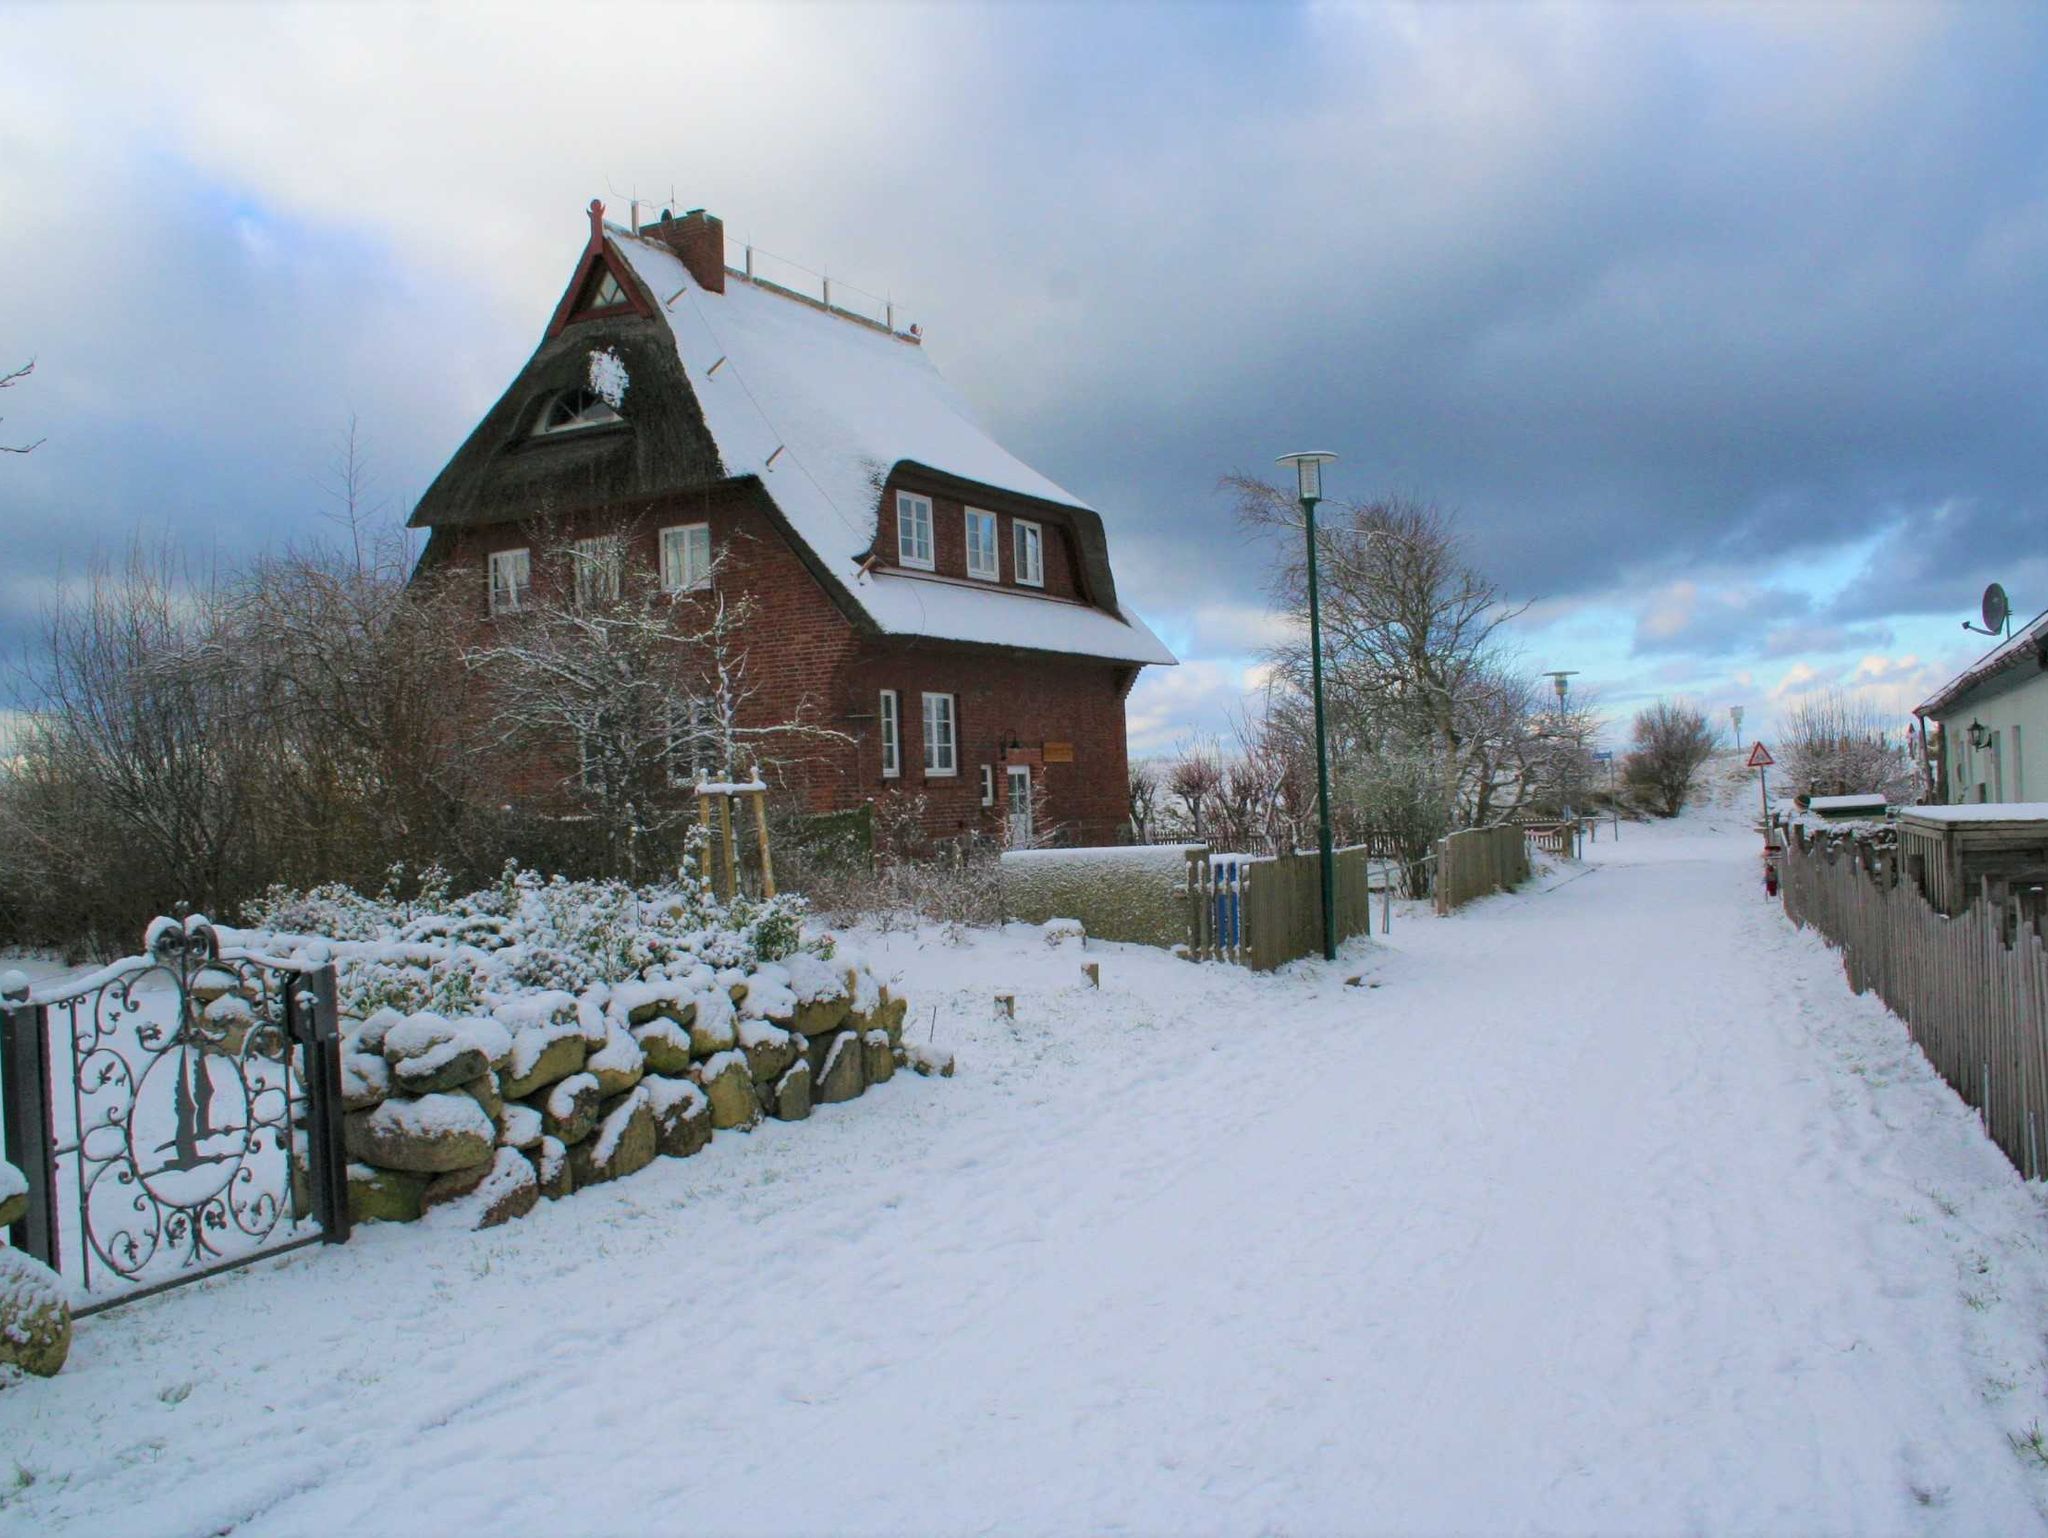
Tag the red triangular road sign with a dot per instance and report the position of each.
(1760, 757)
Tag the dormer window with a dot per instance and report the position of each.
(574, 410)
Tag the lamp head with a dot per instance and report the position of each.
(1977, 734)
(1308, 471)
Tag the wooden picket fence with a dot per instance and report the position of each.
(1478, 862)
(1972, 989)
(1263, 911)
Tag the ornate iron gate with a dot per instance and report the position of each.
(177, 1114)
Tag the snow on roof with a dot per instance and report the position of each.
(2002, 656)
(1846, 803)
(822, 409)
(1980, 811)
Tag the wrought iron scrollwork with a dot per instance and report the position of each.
(189, 1098)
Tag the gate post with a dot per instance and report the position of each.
(314, 1000)
(25, 1103)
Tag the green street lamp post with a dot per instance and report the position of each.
(1308, 470)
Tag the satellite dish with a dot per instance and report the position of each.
(1997, 613)
(1996, 610)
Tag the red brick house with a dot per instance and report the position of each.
(946, 607)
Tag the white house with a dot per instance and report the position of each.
(1991, 724)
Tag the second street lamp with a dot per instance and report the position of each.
(1308, 470)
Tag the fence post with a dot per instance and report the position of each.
(313, 1003)
(25, 1103)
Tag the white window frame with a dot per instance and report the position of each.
(892, 734)
(1030, 573)
(988, 784)
(598, 557)
(993, 546)
(914, 514)
(1021, 816)
(941, 750)
(686, 558)
(509, 596)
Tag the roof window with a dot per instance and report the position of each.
(573, 410)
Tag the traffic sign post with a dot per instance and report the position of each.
(1760, 760)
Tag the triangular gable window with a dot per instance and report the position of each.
(603, 292)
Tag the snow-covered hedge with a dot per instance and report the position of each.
(1136, 893)
(547, 1034)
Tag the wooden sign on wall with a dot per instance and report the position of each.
(1059, 752)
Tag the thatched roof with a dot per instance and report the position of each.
(752, 383)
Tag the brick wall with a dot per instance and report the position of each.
(803, 652)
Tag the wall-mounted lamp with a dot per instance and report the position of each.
(1977, 734)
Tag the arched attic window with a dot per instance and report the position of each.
(574, 410)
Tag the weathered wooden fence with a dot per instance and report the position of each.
(1478, 862)
(1264, 911)
(1973, 989)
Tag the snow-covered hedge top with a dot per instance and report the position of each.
(437, 974)
(12, 1183)
(1169, 858)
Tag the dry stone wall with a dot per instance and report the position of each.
(484, 1116)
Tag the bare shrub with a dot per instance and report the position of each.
(1835, 744)
(908, 878)
(1672, 741)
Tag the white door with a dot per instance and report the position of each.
(1020, 805)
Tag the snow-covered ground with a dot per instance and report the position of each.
(1600, 1207)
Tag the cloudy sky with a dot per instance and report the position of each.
(1719, 327)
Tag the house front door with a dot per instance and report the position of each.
(1020, 805)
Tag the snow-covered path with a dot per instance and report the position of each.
(1604, 1208)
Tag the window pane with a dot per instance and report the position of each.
(938, 734)
(509, 580)
(981, 545)
(913, 530)
(1030, 564)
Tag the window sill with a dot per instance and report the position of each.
(942, 774)
(909, 565)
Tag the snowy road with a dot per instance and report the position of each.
(1607, 1209)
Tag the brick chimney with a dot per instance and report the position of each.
(698, 240)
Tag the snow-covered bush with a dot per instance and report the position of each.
(528, 934)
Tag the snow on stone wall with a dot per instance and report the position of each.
(1135, 893)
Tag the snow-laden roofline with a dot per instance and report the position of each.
(2027, 642)
(824, 409)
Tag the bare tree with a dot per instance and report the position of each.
(641, 694)
(1144, 794)
(1672, 741)
(7, 382)
(1415, 662)
(131, 772)
(1194, 780)
(1835, 744)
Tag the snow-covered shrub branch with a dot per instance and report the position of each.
(638, 692)
(1835, 744)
